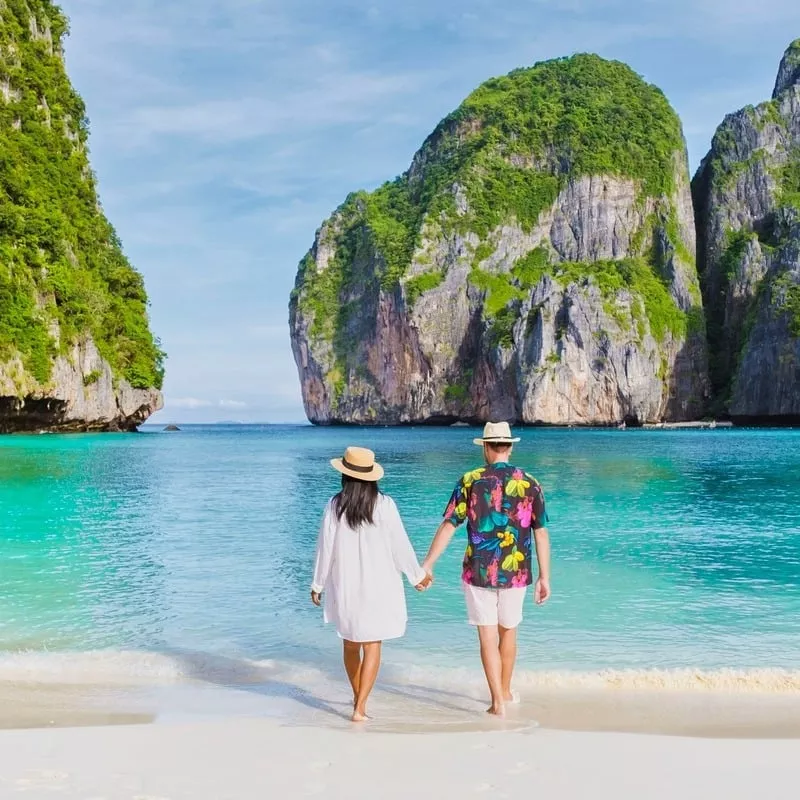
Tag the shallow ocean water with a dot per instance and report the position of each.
(169, 553)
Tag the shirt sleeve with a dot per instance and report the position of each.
(324, 557)
(456, 511)
(405, 559)
(539, 516)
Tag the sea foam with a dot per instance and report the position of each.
(111, 667)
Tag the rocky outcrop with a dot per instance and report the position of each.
(747, 197)
(76, 350)
(83, 395)
(535, 264)
(788, 71)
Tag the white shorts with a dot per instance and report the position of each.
(495, 606)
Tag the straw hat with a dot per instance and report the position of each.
(358, 462)
(496, 433)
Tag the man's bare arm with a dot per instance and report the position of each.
(542, 589)
(439, 544)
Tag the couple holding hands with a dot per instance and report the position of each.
(363, 550)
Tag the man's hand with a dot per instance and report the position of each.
(425, 584)
(316, 598)
(541, 592)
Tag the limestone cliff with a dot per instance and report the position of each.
(535, 263)
(76, 351)
(747, 197)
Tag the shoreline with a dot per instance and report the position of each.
(154, 427)
(694, 705)
(760, 423)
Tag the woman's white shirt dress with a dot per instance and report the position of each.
(359, 573)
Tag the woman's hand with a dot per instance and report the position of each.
(316, 598)
(425, 584)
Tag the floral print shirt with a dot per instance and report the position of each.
(502, 506)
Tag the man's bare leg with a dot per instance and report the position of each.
(352, 666)
(508, 658)
(369, 674)
(492, 666)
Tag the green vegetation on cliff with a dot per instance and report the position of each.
(508, 151)
(789, 180)
(792, 54)
(791, 303)
(60, 259)
(635, 275)
(422, 283)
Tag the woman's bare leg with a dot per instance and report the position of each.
(352, 665)
(369, 673)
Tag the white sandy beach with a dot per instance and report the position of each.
(204, 740)
(259, 758)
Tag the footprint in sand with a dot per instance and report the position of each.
(41, 779)
(520, 768)
(149, 797)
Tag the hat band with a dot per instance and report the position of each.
(346, 463)
(496, 438)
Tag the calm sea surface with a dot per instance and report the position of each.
(671, 549)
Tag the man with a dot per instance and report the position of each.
(504, 510)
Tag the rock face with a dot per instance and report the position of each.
(536, 263)
(76, 351)
(84, 396)
(747, 197)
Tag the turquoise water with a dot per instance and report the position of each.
(670, 549)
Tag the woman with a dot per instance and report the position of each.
(362, 550)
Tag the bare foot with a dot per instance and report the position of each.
(496, 710)
(359, 716)
(511, 697)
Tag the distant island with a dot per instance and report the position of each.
(546, 260)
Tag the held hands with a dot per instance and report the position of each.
(426, 583)
(541, 591)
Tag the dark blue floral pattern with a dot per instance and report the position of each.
(502, 506)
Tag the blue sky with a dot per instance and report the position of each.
(225, 131)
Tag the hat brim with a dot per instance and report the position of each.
(375, 474)
(481, 442)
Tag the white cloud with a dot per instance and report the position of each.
(193, 403)
(336, 98)
(186, 402)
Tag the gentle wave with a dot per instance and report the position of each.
(676, 680)
(126, 667)
(723, 680)
(135, 667)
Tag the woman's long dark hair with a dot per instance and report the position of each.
(356, 501)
